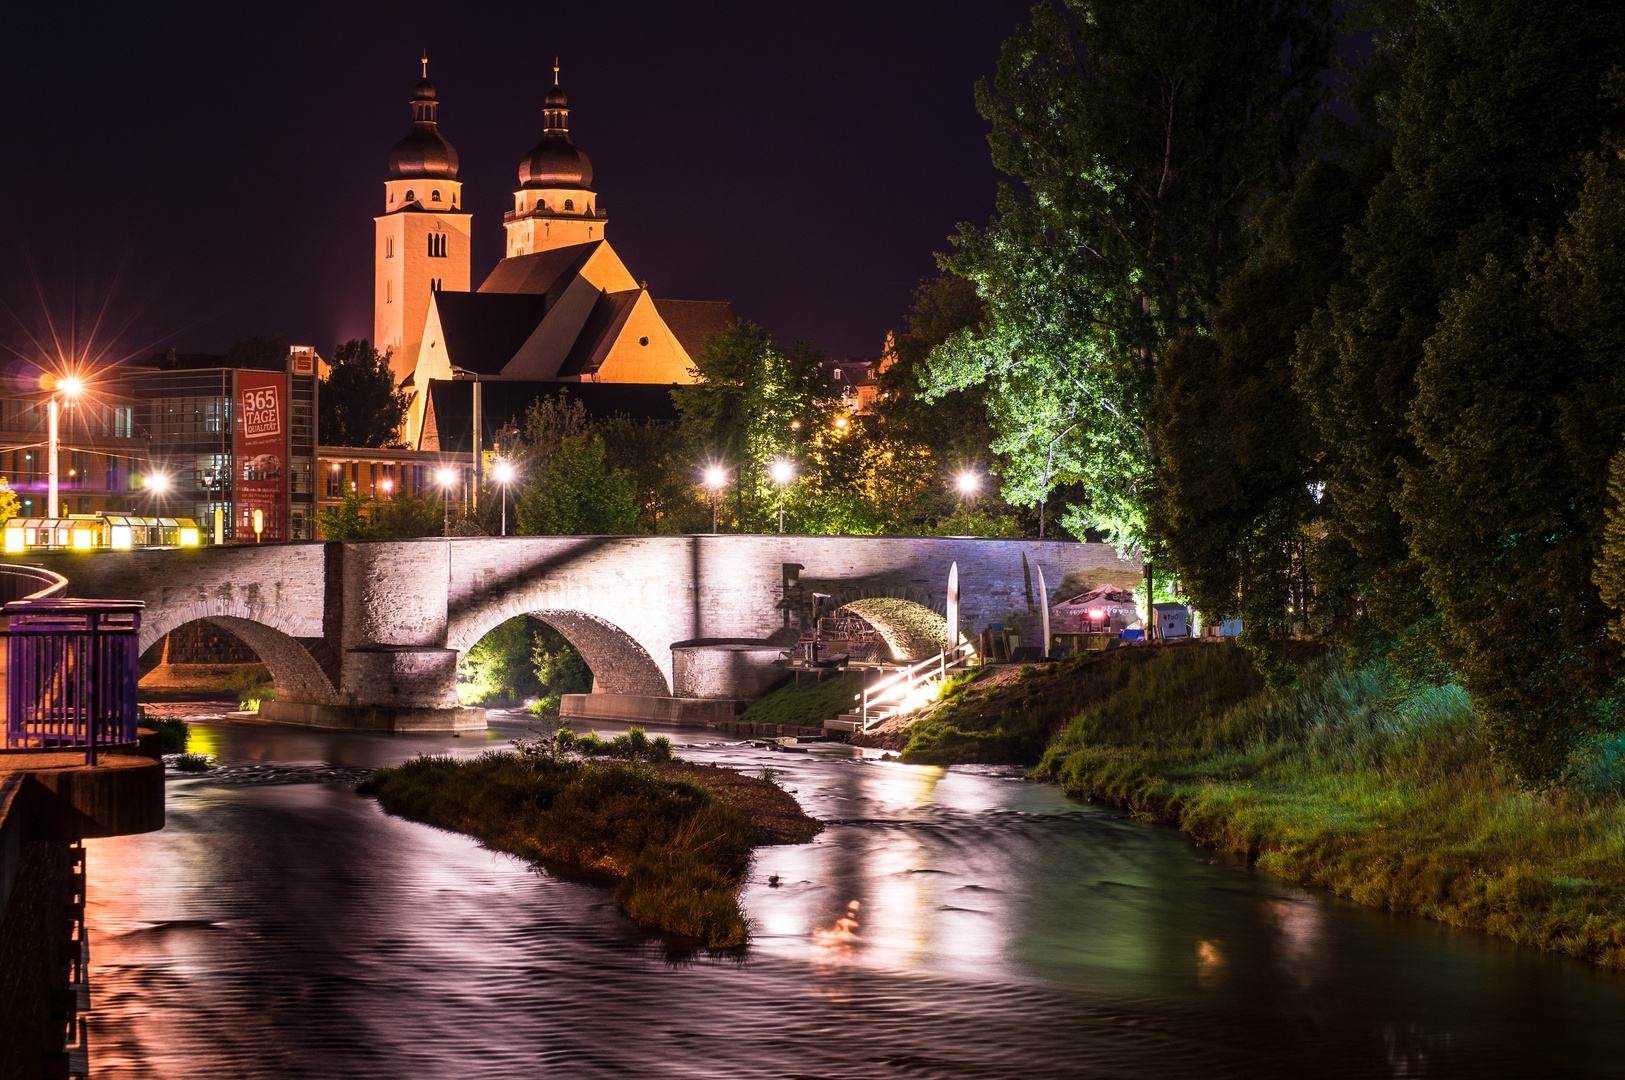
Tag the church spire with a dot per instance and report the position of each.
(556, 108)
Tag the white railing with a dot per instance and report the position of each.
(883, 700)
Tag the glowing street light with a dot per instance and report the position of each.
(503, 474)
(715, 477)
(782, 472)
(69, 387)
(157, 482)
(446, 478)
(968, 483)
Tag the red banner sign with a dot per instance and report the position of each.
(262, 454)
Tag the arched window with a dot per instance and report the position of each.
(392, 198)
(435, 196)
(389, 247)
(569, 204)
(409, 196)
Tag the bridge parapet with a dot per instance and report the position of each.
(367, 633)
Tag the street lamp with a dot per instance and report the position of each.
(782, 472)
(502, 473)
(715, 477)
(157, 483)
(446, 478)
(70, 387)
(968, 484)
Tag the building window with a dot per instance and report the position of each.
(389, 247)
(355, 475)
(434, 196)
(410, 196)
(335, 483)
(389, 292)
(569, 204)
(437, 245)
(434, 284)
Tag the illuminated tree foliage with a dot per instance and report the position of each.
(741, 410)
(1141, 133)
(577, 493)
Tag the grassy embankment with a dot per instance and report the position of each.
(1354, 782)
(807, 703)
(677, 837)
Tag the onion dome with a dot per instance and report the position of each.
(423, 152)
(555, 162)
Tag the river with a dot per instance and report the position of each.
(953, 923)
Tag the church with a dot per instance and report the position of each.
(560, 308)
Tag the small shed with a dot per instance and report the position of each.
(1104, 609)
(1173, 620)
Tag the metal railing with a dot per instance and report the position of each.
(884, 698)
(71, 674)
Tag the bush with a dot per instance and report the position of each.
(192, 762)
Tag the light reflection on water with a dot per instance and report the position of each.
(949, 923)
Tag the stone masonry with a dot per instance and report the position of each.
(368, 633)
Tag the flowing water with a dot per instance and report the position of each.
(958, 923)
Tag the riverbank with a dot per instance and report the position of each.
(1354, 782)
(676, 837)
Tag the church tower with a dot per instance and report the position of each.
(555, 205)
(422, 238)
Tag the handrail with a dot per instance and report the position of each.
(912, 678)
(71, 674)
(15, 577)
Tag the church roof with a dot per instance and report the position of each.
(547, 273)
(692, 321)
(483, 330)
(599, 334)
(555, 162)
(449, 422)
(423, 152)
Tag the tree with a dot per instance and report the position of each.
(1454, 521)
(360, 405)
(577, 494)
(10, 505)
(1235, 493)
(747, 395)
(1141, 133)
(499, 668)
(659, 460)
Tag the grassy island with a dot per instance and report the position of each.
(676, 837)
(1354, 781)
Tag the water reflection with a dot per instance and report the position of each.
(949, 923)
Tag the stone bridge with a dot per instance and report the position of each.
(367, 634)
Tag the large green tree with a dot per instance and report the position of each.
(577, 493)
(754, 402)
(360, 405)
(1236, 492)
(1441, 530)
(1140, 133)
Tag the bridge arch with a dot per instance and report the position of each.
(294, 671)
(619, 662)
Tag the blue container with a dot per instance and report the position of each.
(1131, 635)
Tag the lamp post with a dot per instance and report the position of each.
(64, 387)
(715, 477)
(783, 472)
(446, 477)
(502, 473)
(968, 484)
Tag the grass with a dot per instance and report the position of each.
(678, 851)
(192, 762)
(1013, 724)
(172, 731)
(807, 703)
(1378, 790)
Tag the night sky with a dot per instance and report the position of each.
(211, 173)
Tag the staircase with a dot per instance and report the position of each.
(895, 693)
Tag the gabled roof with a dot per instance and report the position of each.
(546, 273)
(483, 330)
(599, 334)
(692, 321)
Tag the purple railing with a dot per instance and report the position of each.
(71, 674)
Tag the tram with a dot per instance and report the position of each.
(97, 532)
